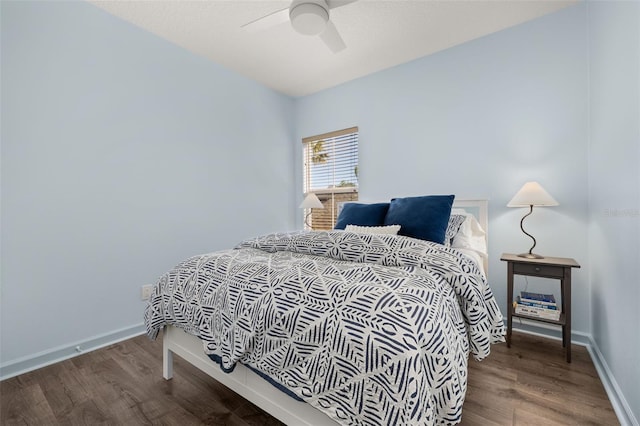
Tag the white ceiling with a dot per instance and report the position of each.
(378, 33)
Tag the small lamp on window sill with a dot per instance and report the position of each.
(531, 194)
(311, 201)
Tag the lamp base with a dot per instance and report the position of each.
(531, 256)
(306, 221)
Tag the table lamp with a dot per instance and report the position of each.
(311, 201)
(531, 194)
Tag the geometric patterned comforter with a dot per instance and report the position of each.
(370, 329)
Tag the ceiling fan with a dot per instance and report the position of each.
(308, 17)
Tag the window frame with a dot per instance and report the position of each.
(333, 196)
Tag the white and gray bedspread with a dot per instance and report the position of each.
(370, 329)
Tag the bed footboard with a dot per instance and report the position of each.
(242, 380)
(167, 358)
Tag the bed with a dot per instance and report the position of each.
(349, 326)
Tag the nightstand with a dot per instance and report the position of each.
(548, 267)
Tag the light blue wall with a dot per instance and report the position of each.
(121, 155)
(614, 196)
(479, 120)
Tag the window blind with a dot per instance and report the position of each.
(331, 172)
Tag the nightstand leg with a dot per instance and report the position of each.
(566, 295)
(509, 301)
(563, 306)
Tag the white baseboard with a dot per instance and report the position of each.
(48, 357)
(618, 401)
(550, 331)
(620, 404)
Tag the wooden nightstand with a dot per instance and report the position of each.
(548, 267)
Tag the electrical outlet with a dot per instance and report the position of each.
(145, 293)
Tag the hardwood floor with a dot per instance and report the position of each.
(532, 384)
(528, 384)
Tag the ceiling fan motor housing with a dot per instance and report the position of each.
(309, 18)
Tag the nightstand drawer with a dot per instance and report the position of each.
(538, 270)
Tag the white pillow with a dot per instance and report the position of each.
(471, 236)
(453, 227)
(389, 229)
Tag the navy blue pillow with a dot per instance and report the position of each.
(362, 215)
(425, 217)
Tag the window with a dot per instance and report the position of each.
(331, 172)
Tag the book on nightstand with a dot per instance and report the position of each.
(546, 312)
(536, 304)
(538, 297)
(538, 312)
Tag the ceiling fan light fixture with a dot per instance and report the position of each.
(309, 18)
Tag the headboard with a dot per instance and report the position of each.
(479, 208)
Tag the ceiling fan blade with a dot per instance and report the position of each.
(339, 3)
(271, 20)
(332, 39)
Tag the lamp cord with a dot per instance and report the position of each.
(526, 233)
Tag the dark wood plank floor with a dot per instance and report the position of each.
(529, 384)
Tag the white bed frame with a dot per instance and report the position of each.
(250, 385)
(244, 381)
